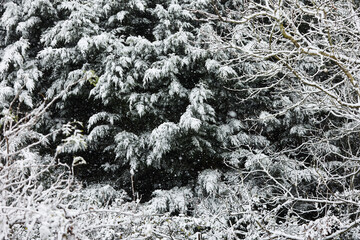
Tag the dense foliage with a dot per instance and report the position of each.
(179, 119)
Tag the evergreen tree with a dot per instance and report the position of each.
(241, 114)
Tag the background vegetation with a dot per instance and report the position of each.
(179, 119)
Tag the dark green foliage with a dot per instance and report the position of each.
(156, 96)
(185, 96)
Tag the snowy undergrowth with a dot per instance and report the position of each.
(44, 201)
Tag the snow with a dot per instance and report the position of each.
(232, 114)
(193, 115)
(45, 232)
